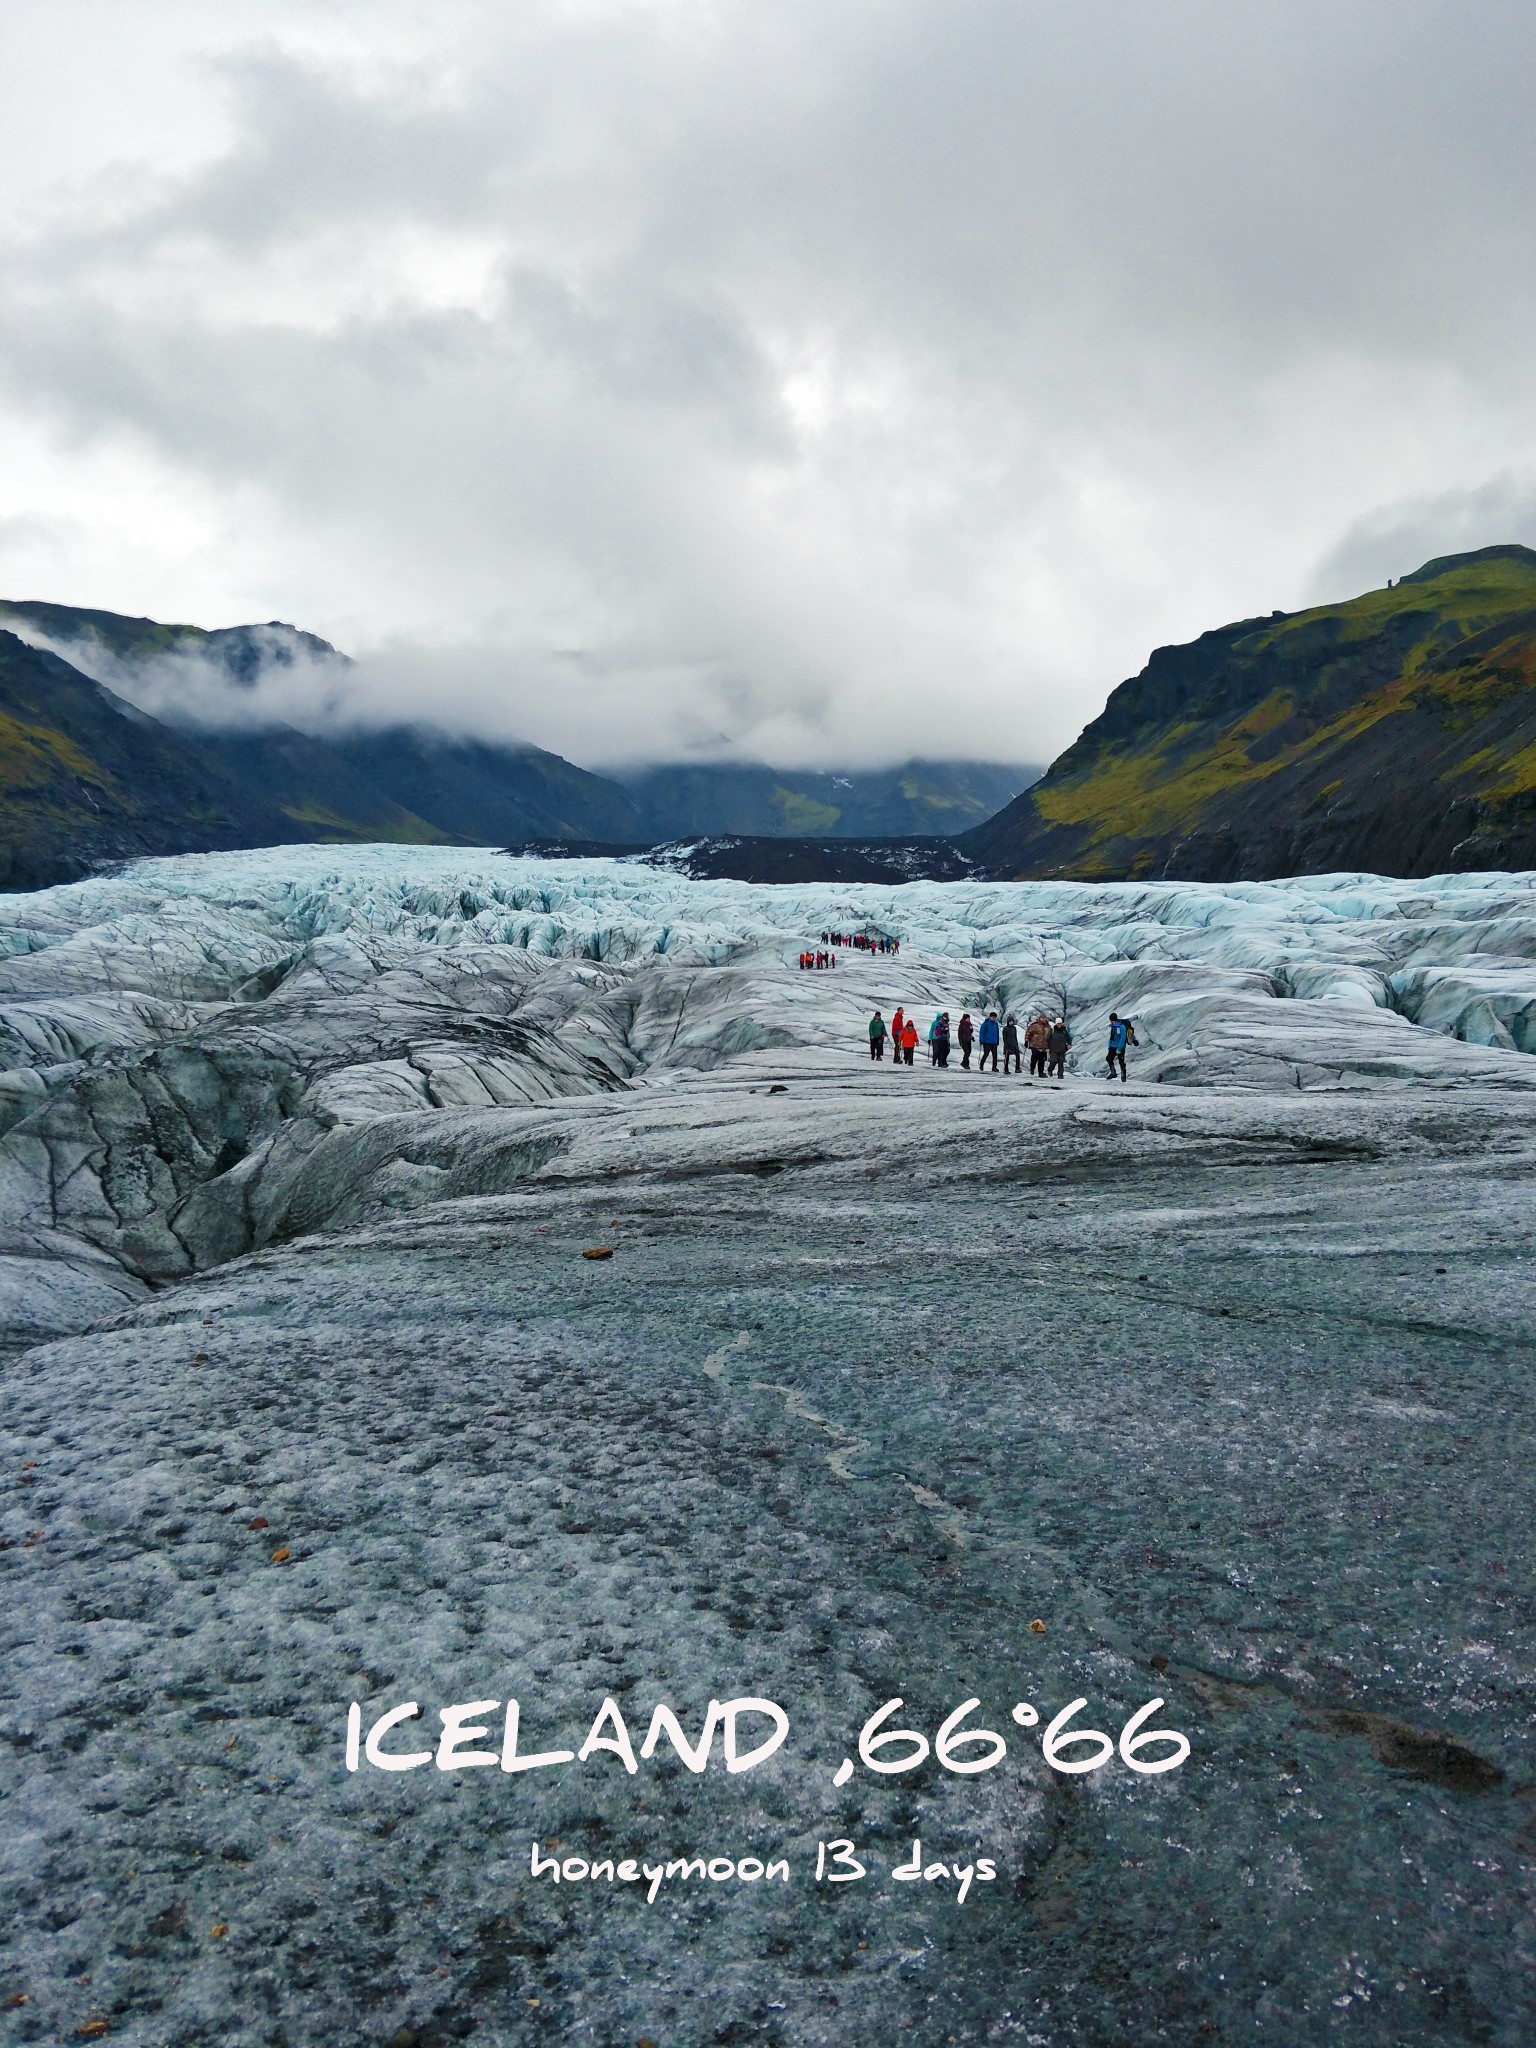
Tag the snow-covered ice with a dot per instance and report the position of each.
(205, 1054)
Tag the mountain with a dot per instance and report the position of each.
(318, 791)
(491, 795)
(85, 779)
(1395, 732)
(917, 799)
(407, 784)
(92, 779)
(269, 786)
(241, 652)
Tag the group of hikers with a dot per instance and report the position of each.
(818, 957)
(1046, 1039)
(862, 942)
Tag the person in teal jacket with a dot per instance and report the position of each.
(1120, 1036)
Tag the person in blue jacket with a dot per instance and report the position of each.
(1120, 1036)
(989, 1034)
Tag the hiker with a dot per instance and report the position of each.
(941, 1044)
(1120, 1036)
(1011, 1044)
(908, 1040)
(933, 1042)
(989, 1036)
(898, 1025)
(877, 1037)
(1057, 1046)
(966, 1033)
(1036, 1032)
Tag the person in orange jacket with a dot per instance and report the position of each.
(908, 1041)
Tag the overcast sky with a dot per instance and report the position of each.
(823, 380)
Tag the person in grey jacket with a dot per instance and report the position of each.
(1011, 1044)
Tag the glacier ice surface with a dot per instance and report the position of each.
(1229, 1368)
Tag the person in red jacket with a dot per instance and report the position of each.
(908, 1041)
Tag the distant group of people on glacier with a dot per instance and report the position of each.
(825, 955)
(1046, 1039)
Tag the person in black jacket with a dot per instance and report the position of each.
(1011, 1044)
(1057, 1046)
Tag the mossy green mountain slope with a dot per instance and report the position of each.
(1396, 732)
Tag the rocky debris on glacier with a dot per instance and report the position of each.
(1224, 1375)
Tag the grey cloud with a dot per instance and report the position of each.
(856, 382)
(25, 532)
(315, 147)
(1397, 539)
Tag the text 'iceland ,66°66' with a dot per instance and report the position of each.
(751, 1730)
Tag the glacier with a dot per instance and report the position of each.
(208, 1054)
(1223, 1375)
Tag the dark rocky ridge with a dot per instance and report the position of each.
(735, 857)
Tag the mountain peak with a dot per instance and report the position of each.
(1445, 565)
